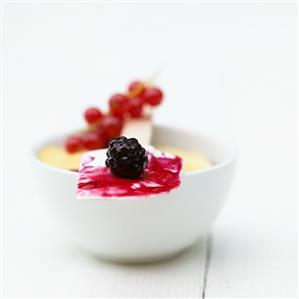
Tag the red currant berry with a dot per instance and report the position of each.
(92, 141)
(135, 107)
(136, 88)
(73, 144)
(111, 126)
(153, 96)
(100, 131)
(92, 115)
(118, 104)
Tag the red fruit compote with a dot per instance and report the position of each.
(162, 175)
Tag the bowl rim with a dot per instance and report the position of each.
(232, 157)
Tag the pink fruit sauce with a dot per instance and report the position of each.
(161, 176)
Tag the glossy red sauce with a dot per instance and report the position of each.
(161, 176)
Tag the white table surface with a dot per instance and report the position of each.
(228, 69)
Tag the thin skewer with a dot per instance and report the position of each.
(155, 74)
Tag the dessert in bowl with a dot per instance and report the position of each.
(141, 228)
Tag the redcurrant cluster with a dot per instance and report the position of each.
(103, 127)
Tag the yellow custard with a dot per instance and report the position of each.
(58, 157)
(192, 160)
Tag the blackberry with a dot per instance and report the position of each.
(126, 157)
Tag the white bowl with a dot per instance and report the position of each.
(142, 229)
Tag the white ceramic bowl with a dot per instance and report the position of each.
(142, 229)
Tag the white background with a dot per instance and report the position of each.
(227, 69)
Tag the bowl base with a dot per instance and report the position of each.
(138, 260)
